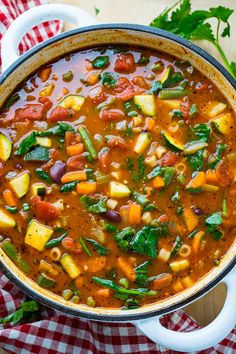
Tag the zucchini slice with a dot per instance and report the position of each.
(6, 220)
(74, 102)
(146, 103)
(46, 282)
(142, 142)
(37, 235)
(223, 123)
(118, 190)
(20, 184)
(171, 142)
(5, 147)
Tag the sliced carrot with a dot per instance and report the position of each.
(158, 182)
(149, 124)
(148, 191)
(198, 181)
(9, 198)
(74, 176)
(126, 268)
(76, 149)
(191, 219)
(177, 286)
(86, 187)
(92, 79)
(45, 73)
(95, 265)
(103, 292)
(211, 177)
(197, 239)
(135, 214)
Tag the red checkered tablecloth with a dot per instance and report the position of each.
(54, 332)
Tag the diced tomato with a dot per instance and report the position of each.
(125, 90)
(61, 113)
(97, 94)
(163, 218)
(117, 142)
(72, 138)
(1, 170)
(169, 159)
(43, 210)
(46, 102)
(30, 112)
(76, 162)
(125, 63)
(140, 82)
(50, 163)
(185, 109)
(70, 245)
(111, 114)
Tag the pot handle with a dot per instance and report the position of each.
(199, 339)
(33, 17)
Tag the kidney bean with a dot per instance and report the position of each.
(198, 211)
(112, 216)
(57, 171)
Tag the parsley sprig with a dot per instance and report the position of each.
(194, 25)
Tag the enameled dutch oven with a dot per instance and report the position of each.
(16, 69)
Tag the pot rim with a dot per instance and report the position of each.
(148, 313)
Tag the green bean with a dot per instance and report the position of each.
(12, 253)
(169, 93)
(87, 141)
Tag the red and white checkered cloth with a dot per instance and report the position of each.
(54, 332)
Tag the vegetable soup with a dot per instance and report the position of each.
(118, 170)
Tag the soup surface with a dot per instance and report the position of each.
(118, 170)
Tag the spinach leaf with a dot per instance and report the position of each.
(176, 246)
(202, 132)
(150, 207)
(167, 173)
(130, 163)
(124, 237)
(94, 205)
(100, 61)
(131, 304)
(143, 60)
(196, 161)
(140, 198)
(113, 286)
(193, 111)
(141, 273)
(59, 130)
(27, 143)
(108, 80)
(26, 311)
(39, 153)
(139, 175)
(213, 222)
(68, 187)
(145, 241)
(220, 149)
(43, 175)
(102, 250)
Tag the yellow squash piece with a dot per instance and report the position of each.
(69, 266)
(6, 220)
(214, 109)
(146, 103)
(46, 142)
(223, 123)
(144, 139)
(5, 147)
(179, 265)
(118, 190)
(74, 102)
(37, 235)
(20, 184)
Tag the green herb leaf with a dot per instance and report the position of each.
(139, 175)
(202, 132)
(141, 273)
(100, 62)
(140, 198)
(27, 143)
(220, 149)
(11, 100)
(43, 175)
(59, 130)
(102, 250)
(94, 205)
(108, 80)
(196, 161)
(68, 187)
(124, 237)
(213, 222)
(176, 246)
(39, 153)
(26, 311)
